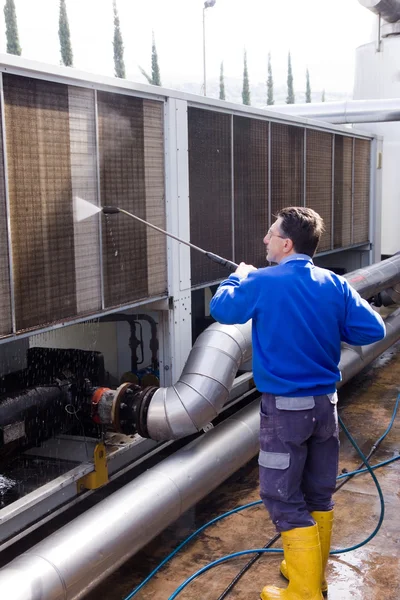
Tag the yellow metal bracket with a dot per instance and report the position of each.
(99, 476)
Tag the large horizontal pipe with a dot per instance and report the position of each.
(354, 358)
(350, 111)
(371, 280)
(74, 560)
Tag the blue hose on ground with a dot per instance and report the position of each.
(257, 502)
(396, 406)
(377, 466)
(186, 541)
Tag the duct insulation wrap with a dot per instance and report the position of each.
(355, 358)
(388, 9)
(204, 386)
(71, 562)
(376, 278)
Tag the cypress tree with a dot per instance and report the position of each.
(270, 83)
(118, 44)
(65, 36)
(222, 83)
(155, 69)
(155, 78)
(246, 86)
(290, 91)
(10, 15)
(308, 87)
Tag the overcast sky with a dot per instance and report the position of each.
(321, 35)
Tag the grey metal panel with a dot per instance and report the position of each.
(362, 168)
(343, 191)
(287, 166)
(40, 192)
(210, 190)
(153, 147)
(250, 146)
(318, 180)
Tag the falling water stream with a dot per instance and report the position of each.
(5, 485)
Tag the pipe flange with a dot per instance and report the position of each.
(143, 409)
(116, 404)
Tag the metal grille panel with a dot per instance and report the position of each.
(40, 191)
(251, 189)
(343, 190)
(210, 189)
(52, 157)
(82, 128)
(124, 152)
(153, 115)
(319, 180)
(5, 301)
(121, 155)
(362, 161)
(287, 166)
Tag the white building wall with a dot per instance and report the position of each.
(378, 76)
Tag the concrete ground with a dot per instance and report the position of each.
(369, 573)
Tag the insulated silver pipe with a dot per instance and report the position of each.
(350, 111)
(71, 562)
(376, 278)
(354, 358)
(204, 386)
(388, 9)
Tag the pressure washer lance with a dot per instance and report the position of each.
(113, 210)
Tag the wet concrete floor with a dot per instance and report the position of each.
(369, 573)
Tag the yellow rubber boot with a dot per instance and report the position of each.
(324, 521)
(302, 551)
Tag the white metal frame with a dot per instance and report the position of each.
(178, 223)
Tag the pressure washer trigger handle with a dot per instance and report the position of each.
(222, 261)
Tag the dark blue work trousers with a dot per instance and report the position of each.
(299, 454)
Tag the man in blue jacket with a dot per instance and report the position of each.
(301, 314)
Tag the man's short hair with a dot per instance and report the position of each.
(303, 226)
